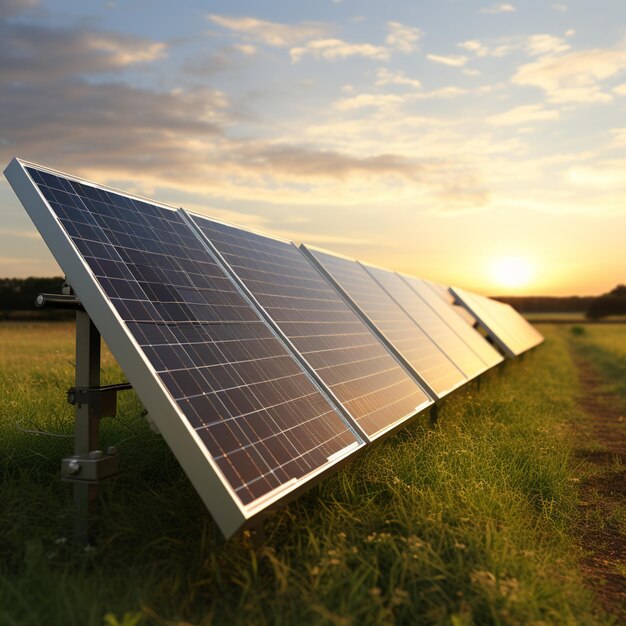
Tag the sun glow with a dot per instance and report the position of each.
(511, 272)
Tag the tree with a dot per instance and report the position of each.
(611, 303)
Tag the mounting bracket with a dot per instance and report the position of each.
(88, 465)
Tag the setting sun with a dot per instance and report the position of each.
(511, 272)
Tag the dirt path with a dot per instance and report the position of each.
(603, 491)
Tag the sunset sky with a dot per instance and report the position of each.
(474, 143)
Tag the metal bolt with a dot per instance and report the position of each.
(73, 467)
(96, 454)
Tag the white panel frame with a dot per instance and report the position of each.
(230, 514)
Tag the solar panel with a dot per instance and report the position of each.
(443, 291)
(337, 345)
(244, 419)
(466, 333)
(504, 325)
(423, 315)
(399, 330)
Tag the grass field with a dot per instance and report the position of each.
(471, 522)
(571, 317)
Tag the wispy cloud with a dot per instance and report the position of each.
(366, 100)
(539, 45)
(574, 77)
(385, 76)
(41, 54)
(332, 49)
(388, 101)
(534, 45)
(502, 7)
(271, 33)
(452, 61)
(523, 115)
(402, 37)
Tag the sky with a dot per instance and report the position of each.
(474, 143)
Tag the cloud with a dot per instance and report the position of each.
(453, 61)
(30, 52)
(602, 175)
(473, 45)
(523, 115)
(618, 138)
(403, 38)
(366, 100)
(271, 33)
(332, 49)
(385, 76)
(575, 77)
(538, 45)
(502, 7)
(534, 45)
(560, 7)
(9, 8)
(388, 101)
(620, 90)
(146, 139)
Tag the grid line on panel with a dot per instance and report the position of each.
(446, 312)
(433, 326)
(258, 414)
(350, 360)
(402, 332)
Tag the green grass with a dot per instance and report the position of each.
(605, 346)
(570, 316)
(466, 523)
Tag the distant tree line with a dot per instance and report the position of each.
(17, 298)
(594, 307)
(548, 304)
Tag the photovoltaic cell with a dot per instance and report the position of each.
(432, 365)
(506, 326)
(259, 415)
(439, 332)
(375, 390)
(472, 338)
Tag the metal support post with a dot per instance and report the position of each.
(434, 414)
(86, 433)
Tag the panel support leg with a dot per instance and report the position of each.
(86, 425)
(434, 414)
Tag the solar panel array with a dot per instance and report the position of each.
(263, 365)
(509, 330)
(459, 353)
(394, 324)
(488, 355)
(345, 353)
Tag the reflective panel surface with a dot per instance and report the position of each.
(445, 310)
(339, 346)
(434, 367)
(263, 421)
(507, 327)
(423, 315)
